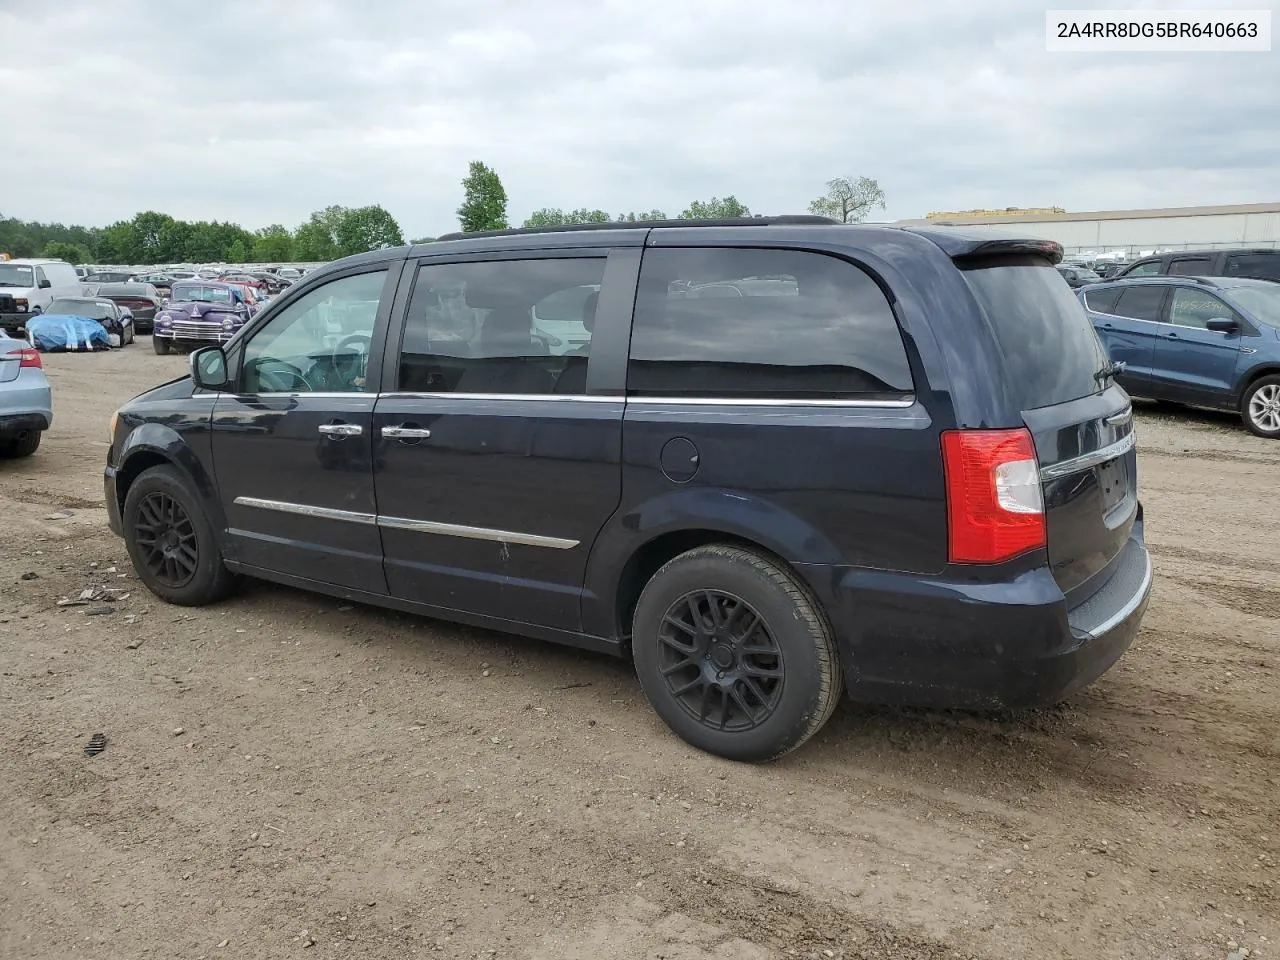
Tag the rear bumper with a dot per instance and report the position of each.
(913, 641)
(16, 424)
(10, 322)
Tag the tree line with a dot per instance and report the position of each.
(152, 237)
(337, 231)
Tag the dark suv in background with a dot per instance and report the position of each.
(1259, 264)
(772, 460)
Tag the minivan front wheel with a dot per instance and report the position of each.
(734, 654)
(1260, 408)
(171, 542)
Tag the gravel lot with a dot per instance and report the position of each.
(284, 773)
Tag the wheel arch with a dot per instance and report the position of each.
(155, 445)
(651, 555)
(1253, 375)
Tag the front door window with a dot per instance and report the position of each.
(319, 343)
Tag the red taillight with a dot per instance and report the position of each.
(995, 509)
(28, 357)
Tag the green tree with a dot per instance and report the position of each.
(715, 209)
(272, 244)
(317, 239)
(70, 252)
(849, 199)
(151, 233)
(367, 228)
(484, 204)
(237, 252)
(312, 243)
(552, 216)
(633, 217)
(118, 243)
(423, 240)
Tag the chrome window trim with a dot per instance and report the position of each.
(405, 523)
(772, 402)
(476, 533)
(306, 510)
(559, 397)
(1087, 460)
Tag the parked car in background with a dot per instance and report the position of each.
(899, 467)
(26, 402)
(1108, 269)
(109, 276)
(1203, 341)
(1260, 263)
(142, 300)
(115, 319)
(27, 287)
(161, 281)
(201, 312)
(274, 284)
(1077, 275)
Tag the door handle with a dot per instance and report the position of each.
(406, 433)
(341, 430)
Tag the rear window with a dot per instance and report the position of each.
(1051, 352)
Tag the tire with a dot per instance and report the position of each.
(1260, 407)
(761, 705)
(162, 502)
(22, 446)
(160, 345)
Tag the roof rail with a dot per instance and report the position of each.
(643, 225)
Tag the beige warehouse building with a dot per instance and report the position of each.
(1132, 232)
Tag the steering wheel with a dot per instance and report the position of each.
(281, 377)
(351, 365)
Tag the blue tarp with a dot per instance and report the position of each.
(67, 332)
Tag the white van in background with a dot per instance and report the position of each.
(27, 287)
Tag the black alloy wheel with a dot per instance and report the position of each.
(720, 661)
(166, 540)
(734, 653)
(172, 543)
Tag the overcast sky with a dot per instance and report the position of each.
(263, 111)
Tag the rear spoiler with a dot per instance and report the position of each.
(961, 244)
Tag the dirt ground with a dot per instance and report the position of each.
(288, 775)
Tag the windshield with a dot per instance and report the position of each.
(89, 309)
(1263, 301)
(1051, 351)
(201, 293)
(12, 275)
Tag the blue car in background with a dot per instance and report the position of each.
(1203, 341)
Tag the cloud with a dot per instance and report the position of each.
(263, 111)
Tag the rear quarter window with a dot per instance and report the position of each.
(1103, 301)
(1265, 266)
(1052, 354)
(766, 324)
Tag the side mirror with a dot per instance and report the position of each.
(46, 284)
(1222, 325)
(209, 368)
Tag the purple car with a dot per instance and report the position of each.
(199, 313)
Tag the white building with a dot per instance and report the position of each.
(1134, 232)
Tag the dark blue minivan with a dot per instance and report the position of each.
(1203, 341)
(771, 460)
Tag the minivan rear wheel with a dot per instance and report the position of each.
(1260, 408)
(734, 654)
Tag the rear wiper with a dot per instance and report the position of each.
(1110, 371)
